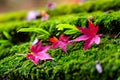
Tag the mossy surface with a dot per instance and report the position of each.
(77, 64)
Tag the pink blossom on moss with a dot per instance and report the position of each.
(62, 42)
(39, 52)
(90, 35)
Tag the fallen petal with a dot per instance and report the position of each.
(63, 46)
(44, 56)
(88, 43)
(99, 67)
(81, 38)
(33, 58)
(97, 39)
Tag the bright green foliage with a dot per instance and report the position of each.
(16, 36)
(43, 34)
(71, 29)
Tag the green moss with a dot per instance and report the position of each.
(75, 65)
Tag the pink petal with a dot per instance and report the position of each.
(55, 45)
(81, 38)
(88, 43)
(99, 68)
(97, 39)
(96, 29)
(85, 31)
(91, 25)
(44, 56)
(63, 46)
(45, 49)
(28, 56)
(38, 46)
(32, 48)
(62, 43)
(33, 58)
(64, 38)
(35, 61)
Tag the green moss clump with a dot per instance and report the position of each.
(77, 64)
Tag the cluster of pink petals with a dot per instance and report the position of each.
(89, 35)
(39, 52)
(62, 42)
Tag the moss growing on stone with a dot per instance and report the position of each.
(77, 64)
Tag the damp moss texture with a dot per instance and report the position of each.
(77, 64)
